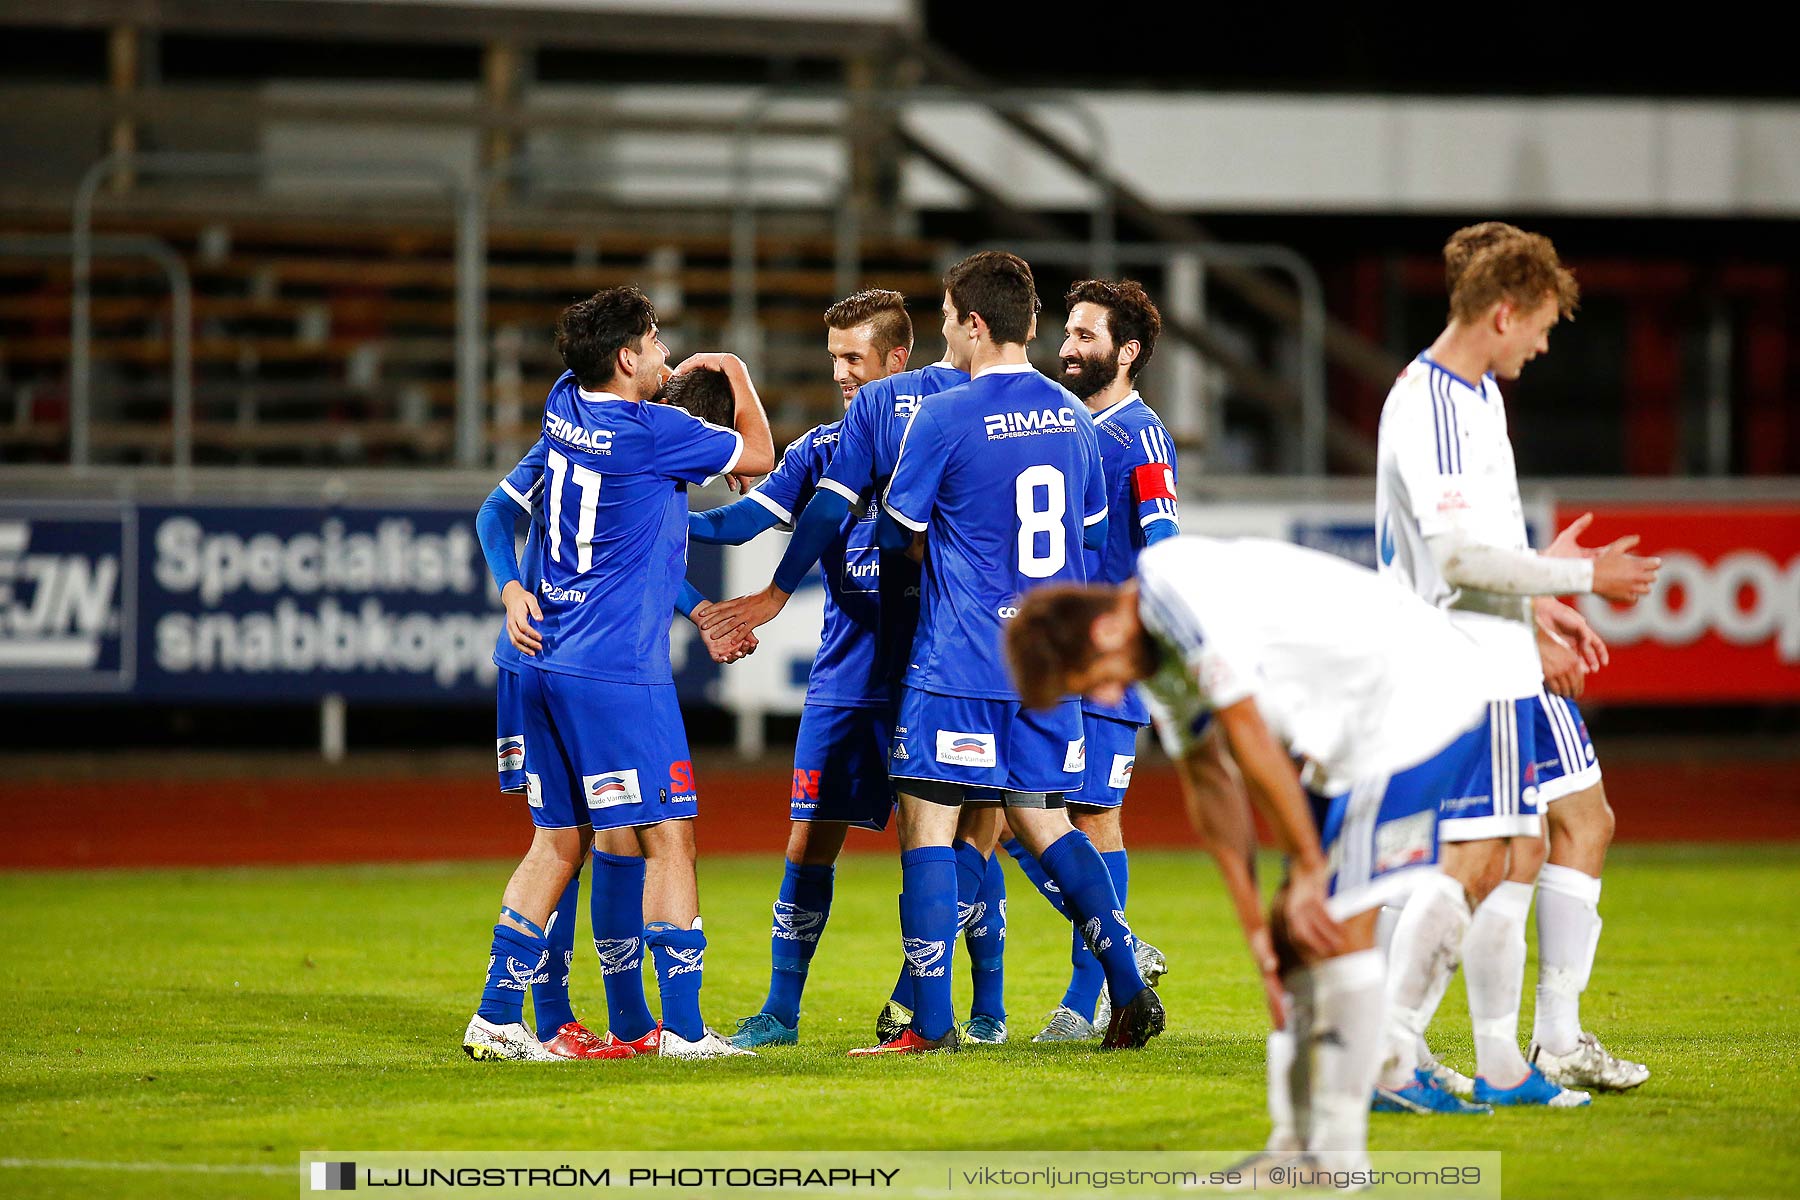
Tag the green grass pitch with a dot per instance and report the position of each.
(233, 1018)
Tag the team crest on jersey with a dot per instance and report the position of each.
(511, 752)
(1405, 842)
(924, 957)
(1121, 770)
(1024, 424)
(966, 749)
(609, 789)
(795, 924)
(1075, 758)
(618, 954)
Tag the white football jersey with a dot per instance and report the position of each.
(1352, 673)
(1445, 462)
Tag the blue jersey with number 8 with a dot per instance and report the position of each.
(1004, 471)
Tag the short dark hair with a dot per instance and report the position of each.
(881, 308)
(590, 333)
(705, 392)
(1131, 315)
(999, 286)
(1052, 638)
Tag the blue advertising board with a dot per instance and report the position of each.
(222, 602)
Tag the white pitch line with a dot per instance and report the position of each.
(82, 1164)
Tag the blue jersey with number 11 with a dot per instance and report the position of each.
(1005, 471)
(614, 551)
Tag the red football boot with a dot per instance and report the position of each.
(575, 1040)
(910, 1042)
(646, 1045)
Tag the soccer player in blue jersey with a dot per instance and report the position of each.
(840, 757)
(853, 479)
(604, 743)
(1109, 337)
(1004, 472)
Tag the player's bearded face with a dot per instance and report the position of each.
(1086, 373)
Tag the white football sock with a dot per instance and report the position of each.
(1349, 1001)
(1427, 941)
(1493, 954)
(1299, 983)
(1568, 924)
(1284, 1134)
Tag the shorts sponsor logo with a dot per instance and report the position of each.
(924, 958)
(1459, 804)
(688, 959)
(534, 790)
(1075, 758)
(610, 789)
(806, 785)
(510, 751)
(966, 749)
(1405, 842)
(681, 777)
(795, 924)
(1589, 752)
(1121, 770)
(618, 954)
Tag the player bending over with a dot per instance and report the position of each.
(1290, 652)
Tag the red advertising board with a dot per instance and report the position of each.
(1723, 624)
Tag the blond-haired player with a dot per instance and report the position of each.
(1451, 527)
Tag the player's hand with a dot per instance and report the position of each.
(521, 610)
(746, 612)
(725, 646)
(1572, 628)
(740, 483)
(915, 549)
(1308, 922)
(1620, 575)
(712, 359)
(1564, 673)
(1567, 543)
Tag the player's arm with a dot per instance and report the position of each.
(1095, 503)
(757, 456)
(1274, 789)
(494, 529)
(733, 524)
(1153, 481)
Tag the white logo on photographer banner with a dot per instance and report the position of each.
(966, 749)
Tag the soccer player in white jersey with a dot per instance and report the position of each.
(1290, 652)
(1451, 528)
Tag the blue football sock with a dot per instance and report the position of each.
(515, 960)
(928, 933)
(680, 956)
(903, 986)
(617, 911)
(1087, 978)
(985, 936)
(1087, 887)
(801, 910)
(1034, 871)
(550, 995)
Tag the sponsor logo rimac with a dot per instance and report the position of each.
(1024, 424)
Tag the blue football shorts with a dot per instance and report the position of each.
(956, 749)
(840, 766)
(610, 755)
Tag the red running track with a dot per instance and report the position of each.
(243, 817)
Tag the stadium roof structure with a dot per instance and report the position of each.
(701, 27)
